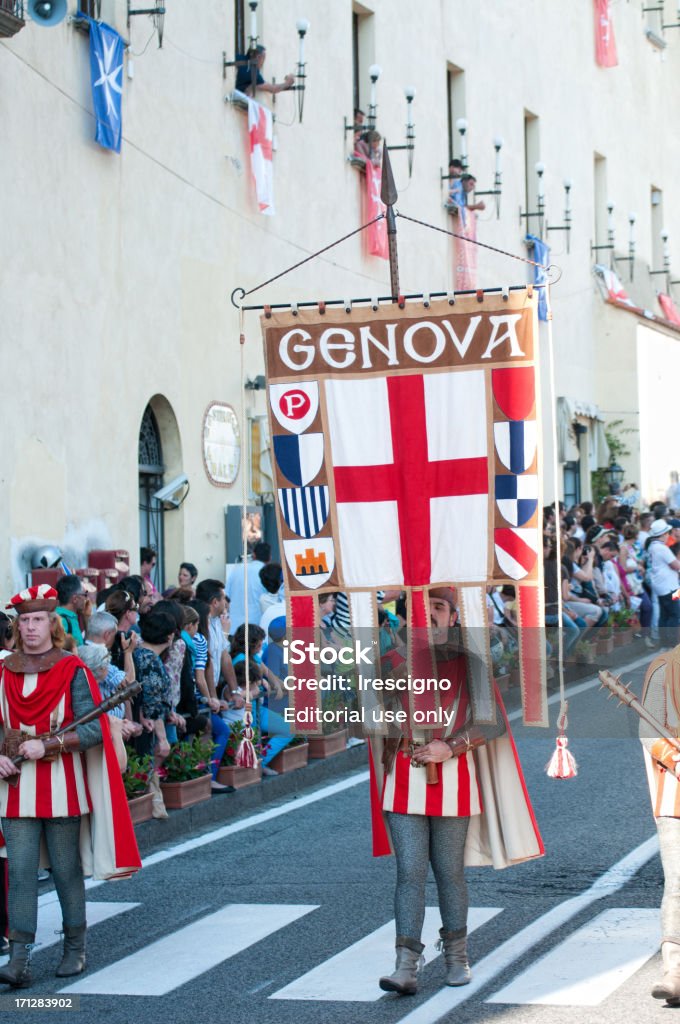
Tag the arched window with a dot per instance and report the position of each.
(151, 471)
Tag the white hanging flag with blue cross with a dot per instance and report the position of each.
(106, 67)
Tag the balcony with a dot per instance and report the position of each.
(11, 17)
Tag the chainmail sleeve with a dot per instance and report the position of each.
(655, 703)
(81, 700)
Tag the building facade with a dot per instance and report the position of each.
(124, 371)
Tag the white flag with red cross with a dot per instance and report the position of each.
(261, 134)
(407, 456)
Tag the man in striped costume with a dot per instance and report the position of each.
(435, 789)
(64, 781)
(661, 697)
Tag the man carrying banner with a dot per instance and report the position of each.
(67, 795)
(661, 698)
(450, 796)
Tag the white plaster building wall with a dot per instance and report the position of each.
(117, 270)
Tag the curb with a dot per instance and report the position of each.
(224, 807)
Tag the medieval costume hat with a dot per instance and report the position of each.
(34, 599)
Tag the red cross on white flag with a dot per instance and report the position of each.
(261, 132)
(405, 482)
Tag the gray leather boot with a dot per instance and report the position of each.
(454, 947)
(73, 959)
(17, 972)
(669, 986)
(409, 961)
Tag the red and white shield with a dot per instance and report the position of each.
(295, 405)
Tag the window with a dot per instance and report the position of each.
(239, 27)
(572, 484)
(355, 60)
(363, 54)
(601, 200)
(92, 8)
(455, 99)
(657, 250)
(151, 469)
(532, 155)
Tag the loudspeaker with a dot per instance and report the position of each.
(47, 12)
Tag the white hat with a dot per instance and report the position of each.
(658, 528)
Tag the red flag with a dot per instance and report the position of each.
(605, 43)
(465, 253)
(261, 132)
(670, 310)
(377, 233)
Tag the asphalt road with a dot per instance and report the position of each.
(221, 928)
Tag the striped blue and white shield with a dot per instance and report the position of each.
(305, 509)
(516, 443)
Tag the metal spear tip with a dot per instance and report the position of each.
(388, 190)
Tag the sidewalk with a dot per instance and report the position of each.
(224, 807)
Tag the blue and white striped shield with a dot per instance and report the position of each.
(516, 443)
(305, 509)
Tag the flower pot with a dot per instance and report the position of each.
(326, 746)
(356, 730)
(140, 808)
(605, 645)
(230, 775)
(184, 794)
(503, 682)
(290, 758)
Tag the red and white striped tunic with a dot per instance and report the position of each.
(55, 789)
(456, 794)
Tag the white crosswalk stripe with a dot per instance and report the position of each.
(590, 964)
(191, 951)
(49, 919)
(352, 975)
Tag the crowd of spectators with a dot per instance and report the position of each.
(615, 563)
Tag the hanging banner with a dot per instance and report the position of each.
(261, 134)
(106, 73)
(373, 206)
(465, 251)
(418, 464)
(541, 255)
(605, 43)
(669, 309)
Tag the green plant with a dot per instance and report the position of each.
(508, 661)
(297, 741)
(187, 760)
(334, 701)
(618, 449)
(584, 650)
(623, 619)
(136, 775)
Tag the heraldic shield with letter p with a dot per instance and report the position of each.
(407, 455)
